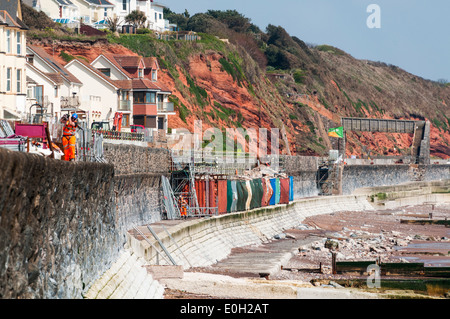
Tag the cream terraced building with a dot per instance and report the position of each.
(12, 61)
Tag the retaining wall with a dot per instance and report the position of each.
(137, 183)
(360, 176)
(57, 225)
(303, 169)
(206, 241)
(62, 225)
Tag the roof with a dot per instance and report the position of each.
(11, 12)
(121, 62)
(7, 19)
(95, 71)
(144, 83)
(66, 3)
(103, 3)
(128, 61)
(151, 63)
(55, 65)
(55, 77)
(112, 60)
(124, 84)
(52, 77)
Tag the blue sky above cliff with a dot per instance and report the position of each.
(413, 33)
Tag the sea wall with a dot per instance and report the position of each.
(57, 225)
(137, 183)
(62, 225)
(361, 176)
(303, 169)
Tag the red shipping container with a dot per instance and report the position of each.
(284, 190)
(212, 193)
(222, 196)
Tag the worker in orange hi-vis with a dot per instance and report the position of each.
(69, 139)
(183, 208)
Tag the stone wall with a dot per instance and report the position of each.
(57, 225)
(303, 169)
(132, 159)
(62, 225)
(137, 183)
(359, 176)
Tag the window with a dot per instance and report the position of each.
(140, 73)
(124, 5)
(8, 79)
(144, 97)
(160, 16)
(30, 92)
(19, 42)
(19, 80)
(105, 13)
(56, 91)
(8, 41)
(156, 16)
(151, 97)
(126, 120)
(139, 97)
(106, 72)
(154, 75)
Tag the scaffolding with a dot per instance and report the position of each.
(187, 167)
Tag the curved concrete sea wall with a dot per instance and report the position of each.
(205, 241)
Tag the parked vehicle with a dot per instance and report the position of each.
(136, 128)
(101, 126)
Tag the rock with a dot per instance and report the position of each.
(340, 256)
(280, 236)
(336, 285)
(290, 236)
(401, 242)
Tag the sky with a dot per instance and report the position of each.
(411, 34)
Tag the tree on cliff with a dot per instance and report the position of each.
(137, 18)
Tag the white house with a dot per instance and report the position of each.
(92, 11)
(152, 10)
(51, 85)
(62, 11)
(12, 61)
(101, 96)
(150, 104)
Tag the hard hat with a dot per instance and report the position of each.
(74, 116)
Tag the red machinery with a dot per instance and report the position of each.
(117, 126)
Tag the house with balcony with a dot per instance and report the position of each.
(61, 11)
(52, 90)
(93, 12)
(149, 98)
(12, 61)
(154, 12)
(101, 96)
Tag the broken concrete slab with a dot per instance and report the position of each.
(165, 271)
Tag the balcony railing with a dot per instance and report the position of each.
(165, 107)
(124, 105)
